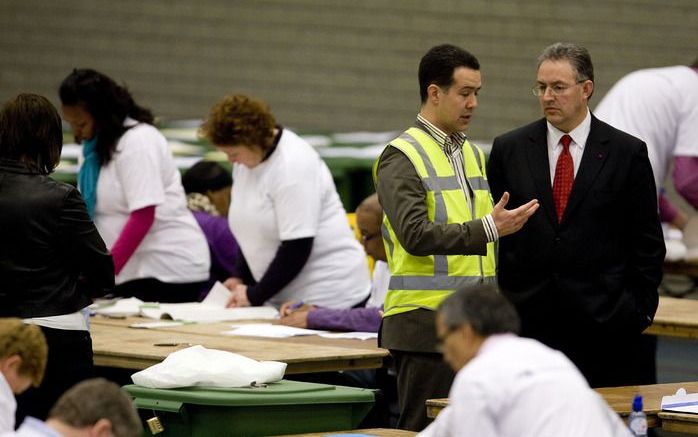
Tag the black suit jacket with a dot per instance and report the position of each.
(597, 271)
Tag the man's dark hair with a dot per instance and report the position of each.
(30, 131)
(483, 307)
(93, 399)
(439, 63)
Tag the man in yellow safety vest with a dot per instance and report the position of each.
(439, 226)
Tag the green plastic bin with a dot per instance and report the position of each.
(284, 407)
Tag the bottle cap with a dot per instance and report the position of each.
(637, 403)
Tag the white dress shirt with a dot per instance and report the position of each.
(579, 138)
(518, 387)
(8, 405)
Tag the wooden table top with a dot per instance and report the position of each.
(620, 399)
(116, 345)
(676, 317)
(378, 432)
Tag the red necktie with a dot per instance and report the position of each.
(564, 177)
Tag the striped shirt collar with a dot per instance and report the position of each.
(439, 135)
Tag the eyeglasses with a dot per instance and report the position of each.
(555, 90)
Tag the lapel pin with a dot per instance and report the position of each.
(599, 156)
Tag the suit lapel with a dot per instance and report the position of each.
(593, 159)
(537, 155)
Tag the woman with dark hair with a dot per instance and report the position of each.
(52, 259)
(208, 185)
(133, 191)
(285, 213)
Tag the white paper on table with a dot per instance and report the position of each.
(121, 308)
(681, 402)
(202, 313)
(217, 296)
(269, 330)
(353, 335)
(158, 324)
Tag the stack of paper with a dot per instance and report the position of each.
(212, 309)
(681, 402)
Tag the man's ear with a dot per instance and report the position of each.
(11, 363)
(101, 428)
(433, 94)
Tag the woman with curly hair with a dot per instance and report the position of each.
(286, 214)
(133, 190)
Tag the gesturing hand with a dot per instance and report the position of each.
(510, 221)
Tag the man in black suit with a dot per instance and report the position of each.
(583, 272)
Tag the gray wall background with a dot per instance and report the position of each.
(329, 65)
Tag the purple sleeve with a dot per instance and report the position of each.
(223, 246)
(686, 178)
(667, 210)
(354, 319)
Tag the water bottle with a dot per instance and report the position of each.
(637, 422)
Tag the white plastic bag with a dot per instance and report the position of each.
(198, 366)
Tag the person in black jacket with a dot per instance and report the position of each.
(52, 259)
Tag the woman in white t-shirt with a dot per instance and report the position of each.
(285, 212)
(133, 191)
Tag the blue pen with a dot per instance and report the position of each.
(293, 307)
(296, 305)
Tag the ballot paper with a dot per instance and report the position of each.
(269, 330)
(351, 335)
(212, 309)
(204, 313)
(681, 402)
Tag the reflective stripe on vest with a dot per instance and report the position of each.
(424, 281)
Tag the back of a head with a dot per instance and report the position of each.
(28, 342)
(483, 307)
(91, 400)
(371, 205)
(438, 64)
(206, 176)
(31, 131)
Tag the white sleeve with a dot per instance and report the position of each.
(139, 166)
(472, 410)
(441, 426)
(297, 201)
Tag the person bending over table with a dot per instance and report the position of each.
(208, 186)
(369, 216)
(285, 212)
(507, 385)
(133, 190)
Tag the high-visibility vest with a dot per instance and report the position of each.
(425, 281)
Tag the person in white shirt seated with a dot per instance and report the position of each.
(94, 407)
(507, 385)
(23, 355)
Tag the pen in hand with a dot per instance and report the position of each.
(293, 307)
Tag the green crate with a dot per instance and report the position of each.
(285, 407)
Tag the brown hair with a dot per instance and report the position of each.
(239, 120)
(93, 399)
(26, 341)
(30, 131)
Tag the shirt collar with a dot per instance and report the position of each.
(579, 134)
(436, 133)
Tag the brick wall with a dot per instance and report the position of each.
(329, 64)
